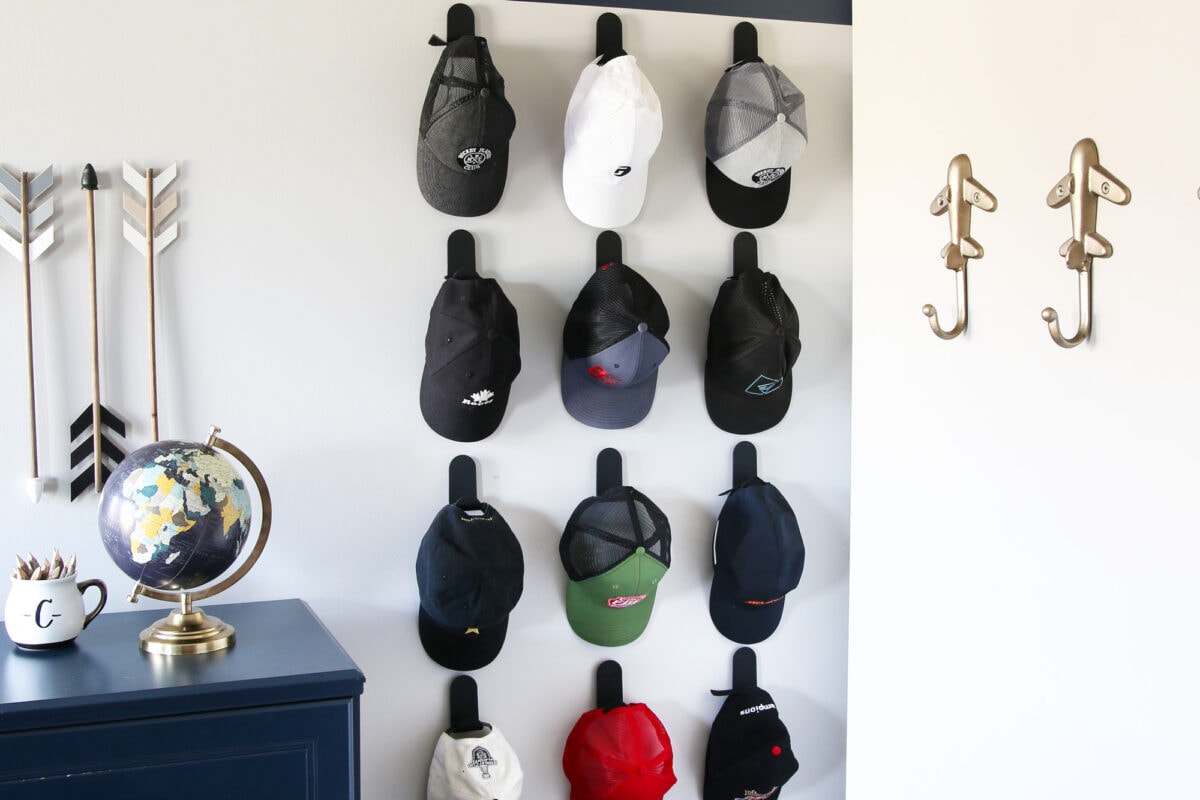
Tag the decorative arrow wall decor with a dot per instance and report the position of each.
(150, 242)
(96, 417)
(26, 245)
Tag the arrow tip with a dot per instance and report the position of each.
(88, 182)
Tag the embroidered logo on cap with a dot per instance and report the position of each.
(756, 709)
(481, 759)
(474, 157)
(621, 172)
(601, 374)
(754, 794)
(480, 398)
(768, 175)
(763, 385)
(626, 601)
(763, 602)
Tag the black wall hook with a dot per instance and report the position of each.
(608, 471)
(460, 21)
(608, 248)
(464, 705)
(608, 37)
(745, 43)
(745, 463)
(460, 255)
(464, 484)
(745, 669)
(745, 252)
(610, 692)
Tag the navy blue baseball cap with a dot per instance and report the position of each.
(614, 340)
(758, 557)
(470, 575)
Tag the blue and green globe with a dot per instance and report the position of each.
(174, 515)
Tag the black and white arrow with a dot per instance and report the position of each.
(95, 416)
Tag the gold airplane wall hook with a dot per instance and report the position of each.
(1086, 182)
(960, 193)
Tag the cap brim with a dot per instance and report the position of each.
(599, 203)
(741, 413)
(738, 622)
(452, 418)
(741, 206)
(462, 652)
(608, 627)
(602, 407)
(453, 192)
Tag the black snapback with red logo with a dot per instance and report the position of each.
(758, 557)
(614, 340)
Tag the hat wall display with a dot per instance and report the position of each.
(614, 340)
(613, 127)
(755, 127)
(753, 342)
(470, 575)
(466, 124)
(472, 350)
(616, 548)
(758, 555)
(618, 750)
(749, 753)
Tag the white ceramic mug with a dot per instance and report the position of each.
(41, 614)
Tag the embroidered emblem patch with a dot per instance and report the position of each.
(480, 398)
(473, 158)
(763, 385)
(768, 175)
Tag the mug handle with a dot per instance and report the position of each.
(99, 584)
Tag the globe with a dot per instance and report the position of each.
(174, 515)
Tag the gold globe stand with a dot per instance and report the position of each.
(188, 630)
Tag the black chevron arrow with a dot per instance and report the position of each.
(95, 417)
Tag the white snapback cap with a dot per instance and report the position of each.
(613, 126)
(474, 766)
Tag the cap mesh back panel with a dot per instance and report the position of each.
(609, 308)
(605, 530)
(742, 107)
(466, 67)
(791, 101)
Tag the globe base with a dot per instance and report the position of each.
(185, 632)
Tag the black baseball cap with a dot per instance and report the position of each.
(749, 754)
(753, 341)
(470, 574)
(755, 127)
(613, 342)
(472, 357)
(758, 557)
(616, 548)
(462, 149)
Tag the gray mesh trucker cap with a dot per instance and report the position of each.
(462, 147)
(754, 130)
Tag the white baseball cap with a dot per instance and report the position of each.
(613, 126)
(479, 765)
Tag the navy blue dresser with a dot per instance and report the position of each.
(275, 716)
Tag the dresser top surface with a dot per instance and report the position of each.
(282, 653)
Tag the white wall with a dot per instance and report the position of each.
(1024, 551)
(293, 311)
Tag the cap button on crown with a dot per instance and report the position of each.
(492, 335)
(778, 117)
(484, 93)
(642, 327)
(779, 330)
